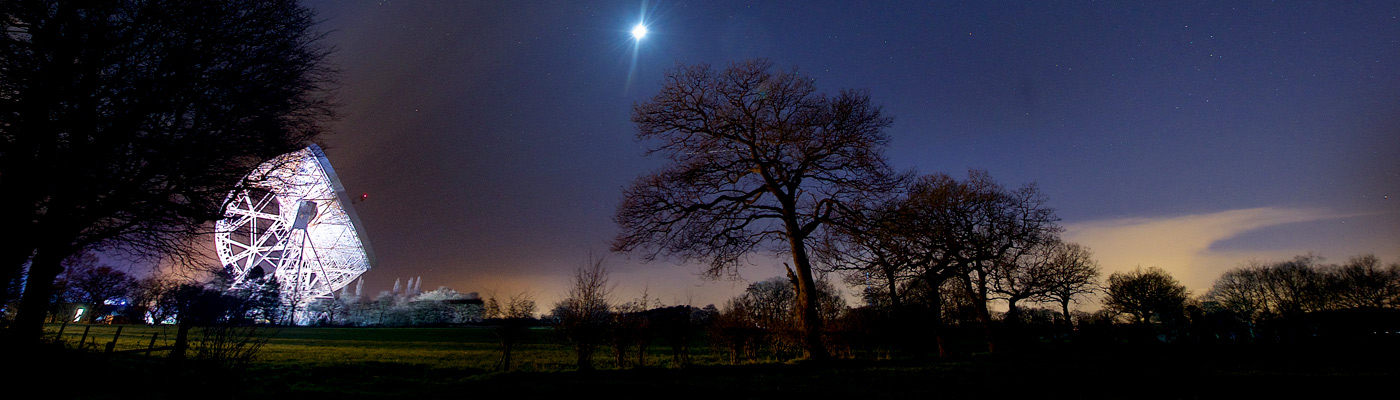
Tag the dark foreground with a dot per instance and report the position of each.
(1109, 371)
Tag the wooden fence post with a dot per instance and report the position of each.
(83, 341)
(59, 338)
(113, 344)
(152, 344)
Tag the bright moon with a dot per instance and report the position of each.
(639, 31)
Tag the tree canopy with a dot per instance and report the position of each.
(758, 160)
(1261, 291)
(125, 124)
(1146, 293)
(939, 228)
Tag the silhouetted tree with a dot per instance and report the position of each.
(894, 247)
(9, 298)
(260, 298)
(62, 305)
(876, 247)
(94, 284)
(735, 329)
(1259, 292)
(1146, 293)
(1074, 274)
(225, 336)
(1241, 291)
(907, 247)
(771, 304)
(1363, 282)
(758, 160)
(582, 316)
(1026, 275)
(146, 298)
(125, 123)
(195, 306)
(967, 229)
(677, 325)
(631, 328)
(767, 314)
(987, 225)
(830, 304)
(511, 322)
(1296, 286)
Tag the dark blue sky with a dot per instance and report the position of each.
(494, 137)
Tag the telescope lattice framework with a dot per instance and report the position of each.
(293, 221)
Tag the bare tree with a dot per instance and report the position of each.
(1026, 275)
(767, 314)
(986, 225)
(124, 124)
(94, 284)
(772, 304)
(1259, 291)
(897, 248)
(876, 248)
(582, 316)
(511, 322)
(1074, 274)
(677, 325)
(906, 248)
(1238, 291)
(147, 298)
(758, 161)
(631, 327)
(735, 329)
(967, 229)
(1363, 282)
(1145, 294)
(194, 305)
(1296, 286)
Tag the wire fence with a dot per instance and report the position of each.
(112, 338)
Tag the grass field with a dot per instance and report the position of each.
(459, 348)
(460, 362)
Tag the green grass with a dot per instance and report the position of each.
(468, 347)
(450, 348)
(433, 362)
(133, 337)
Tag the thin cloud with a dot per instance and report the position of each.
(1181, 245)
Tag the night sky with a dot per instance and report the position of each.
(494, 139)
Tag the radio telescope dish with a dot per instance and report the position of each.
(293, 221)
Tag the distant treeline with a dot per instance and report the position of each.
(1293, 301)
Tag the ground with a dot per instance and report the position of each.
(436, 362)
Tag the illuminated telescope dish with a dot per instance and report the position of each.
(292, 220)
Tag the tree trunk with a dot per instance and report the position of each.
(620, 354)
(1013, 312)
(813, 347)
(938, 334)
(1064, 307)
(895, 303)
(182, 338)
(979, 302)
(21, 202)
(1011, 326)
(505, 355)
(38, 291)
(585, 357)
(12, 258)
